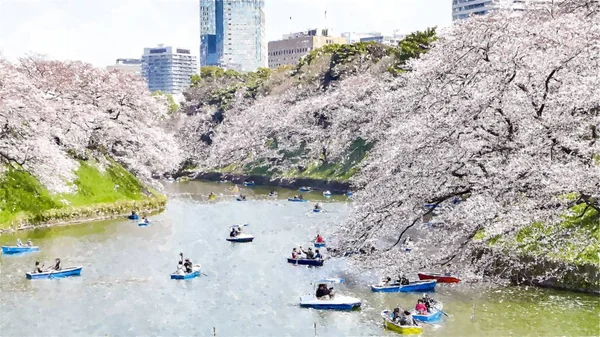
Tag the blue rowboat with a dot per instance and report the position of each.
(349, 193)
(306, 262)
(66, 272)
(305, 189)
(319, 244)
(317, 210)
(133, 217)
(9, 250)
(143, 224)
(297, 200)
(419, 286)
(240, 199)
(327, 194)
(242, 237)
(248, 183)
(433, 316)
(195, 273)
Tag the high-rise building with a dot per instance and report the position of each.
(168, 69)
(232, 34)
(462, 9)
(132, 66)
(294, 46)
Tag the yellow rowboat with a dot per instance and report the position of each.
(212, 197)
(235, 188)
(402, 329)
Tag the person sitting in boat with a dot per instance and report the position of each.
(309, 254)
(300, 197)
(324, 293)
(133, 213)
(295, 254)
(403, 280)
(319, 237)
(317, 207)
(428, 301)
(29, 243)
(38, 268)
(233, 232)
(19, 243)
(180, 270)
(397, 315)
(385, 281)
(407, 319)
(420, 307)
(318, 255)
(211, 195)
(242, 197)
(146, 221)
(57, 264)
(187, 265)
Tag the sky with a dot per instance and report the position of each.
(100, 31)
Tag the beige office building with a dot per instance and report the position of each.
(292, 47)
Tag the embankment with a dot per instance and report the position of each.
(100, 191)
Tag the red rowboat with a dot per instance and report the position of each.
(441, 278)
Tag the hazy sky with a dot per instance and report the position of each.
(99, 31)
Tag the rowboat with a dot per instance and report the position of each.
(242, 237)
(434, 316)
(317, 210)
(273, 194)
(441, 278)
(349, 193)
(305, 189)
(338, 302)
(9, 250)
(195, 273)
(143, 224)
(65, 272)
(319, 244)
(212, 197)
(306, 262)
(133, 217)
(241, 199)
(297, 200)
(327, 194)
(412, 286)
(248, 183)
(402, 329)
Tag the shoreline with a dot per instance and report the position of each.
(91, 213)
(334, 186)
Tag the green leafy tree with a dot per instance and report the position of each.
(412, 47)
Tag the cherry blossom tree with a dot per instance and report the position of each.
(55, 112)
(503, 114)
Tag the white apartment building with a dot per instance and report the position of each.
(168, 69)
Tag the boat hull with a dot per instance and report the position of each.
(438, 277)
(306, 262)
(240, 199)
(336, 303)
(241, 239)
(304, 189)
(143, 224)
(133, 217)
(13, 250)
(316, 210)
(319, 244)
(297, 200)
(249, 184)
(191, 275)
(413, 286)
(66, 272)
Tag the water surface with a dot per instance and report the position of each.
(250, 290)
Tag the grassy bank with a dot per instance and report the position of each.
(101, 191)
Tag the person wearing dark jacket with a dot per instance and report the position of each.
(309, 253)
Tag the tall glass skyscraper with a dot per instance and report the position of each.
(232, 34)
